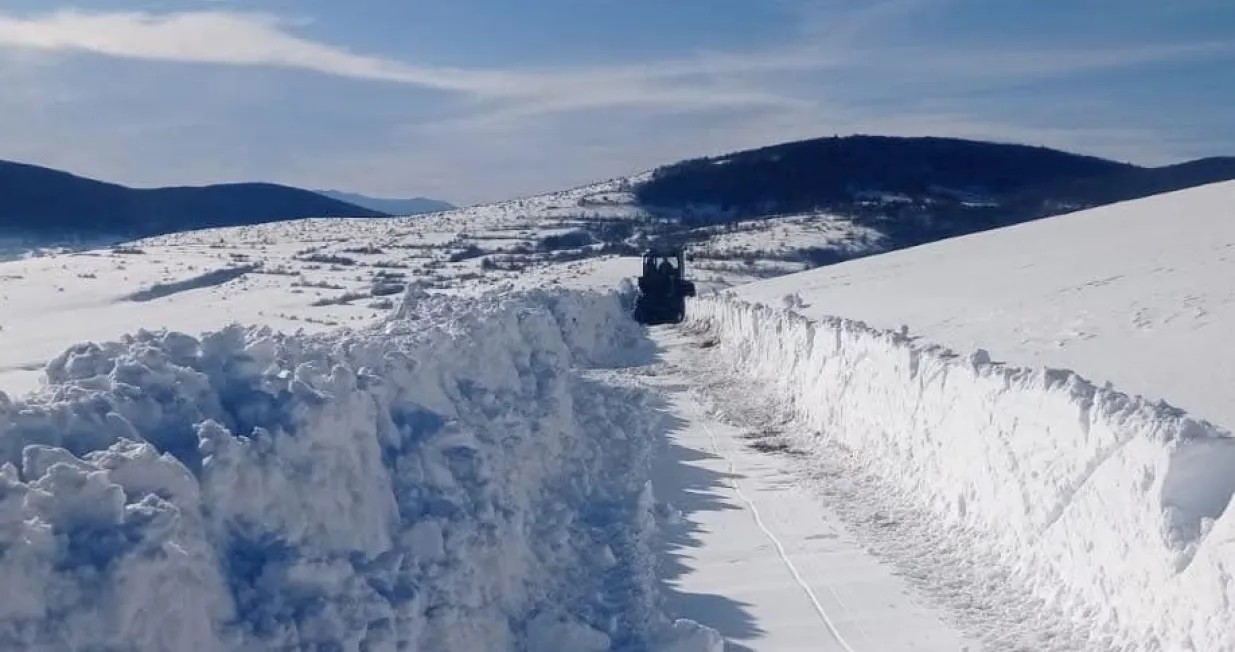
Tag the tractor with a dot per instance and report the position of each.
(663, 288)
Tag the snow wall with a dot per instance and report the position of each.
(445, 481)
(1109, 507)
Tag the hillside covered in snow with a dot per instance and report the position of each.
(321, 274)
(1137, 294)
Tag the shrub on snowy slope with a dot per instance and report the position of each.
(1111, 508)
(445, 481)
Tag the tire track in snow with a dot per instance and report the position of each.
(764, 536)
(729, 480)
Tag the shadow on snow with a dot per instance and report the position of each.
(692, 490)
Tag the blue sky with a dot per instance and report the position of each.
(478, 100)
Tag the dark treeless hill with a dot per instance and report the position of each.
(810, 174)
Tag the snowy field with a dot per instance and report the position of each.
(319, 275)
(435, 433)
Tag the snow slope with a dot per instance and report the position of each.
(1137, 293)
(1108, 511)
(783, 237)
(444, 480)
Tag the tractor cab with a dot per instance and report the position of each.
(663, 287)
(663, 264)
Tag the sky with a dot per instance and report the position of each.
(481, 100)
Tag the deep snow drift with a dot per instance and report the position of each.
(1111, 509)
(444, 481)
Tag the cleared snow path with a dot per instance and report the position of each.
(758, 556)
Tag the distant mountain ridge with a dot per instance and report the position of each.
(35, 199)
(391, 206)
(910, 189)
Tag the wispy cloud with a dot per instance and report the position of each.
(248, 39)
(228, 38)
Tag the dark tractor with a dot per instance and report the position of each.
(663, 288)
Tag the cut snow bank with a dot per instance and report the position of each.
(1110, 508)
(444, 481)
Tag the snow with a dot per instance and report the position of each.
(287, 461)
(755, 556)
(365, 434)
(1135, 293)
(48, 303)
(441, 481)
(312, 275)
(785, 236)
(1101, 514)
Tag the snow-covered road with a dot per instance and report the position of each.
(755, 553)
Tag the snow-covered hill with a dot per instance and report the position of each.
(997, 414)
(433, 433)
(1141, 294)
(321, 274)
